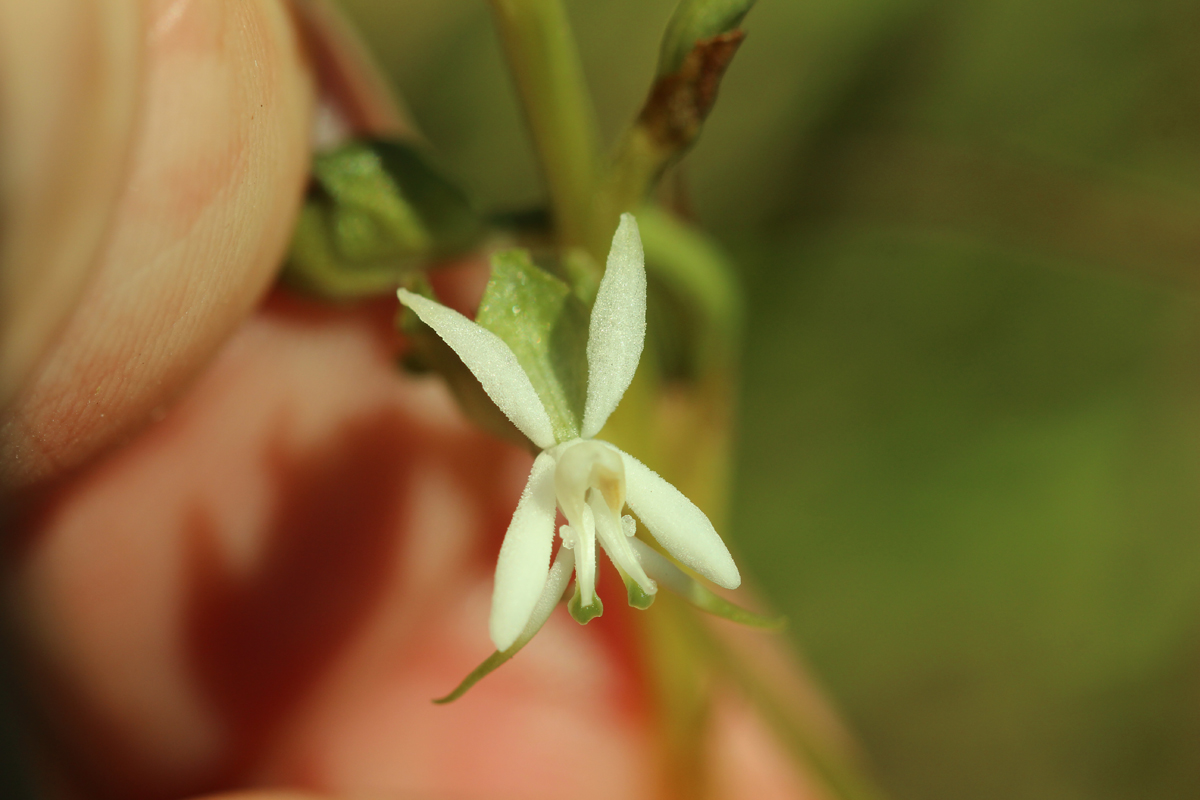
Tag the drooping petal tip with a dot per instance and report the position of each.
(691, 590)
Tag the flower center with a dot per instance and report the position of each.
(589, 482)
(588, 464)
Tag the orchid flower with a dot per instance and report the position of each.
(588, 479)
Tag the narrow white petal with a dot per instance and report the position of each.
(585, 557)
(678, 525)
(610, 531)
(524, 556)
(618, 327)
(492, 362)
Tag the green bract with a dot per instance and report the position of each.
(545, 325)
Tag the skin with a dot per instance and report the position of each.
(246, 551)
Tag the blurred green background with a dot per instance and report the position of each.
(970, 450)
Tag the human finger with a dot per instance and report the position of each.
(68, 76)
(216, 165)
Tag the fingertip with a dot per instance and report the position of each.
(69, 76)
(217, 169)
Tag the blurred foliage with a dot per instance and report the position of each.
(374, 209)
(970, 461)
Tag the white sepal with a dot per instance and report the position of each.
(524, 556)
(492, 362)
(618, 327)
(678, 525)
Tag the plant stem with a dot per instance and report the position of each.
(545, 65)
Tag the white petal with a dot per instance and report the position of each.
(618, 327)
(677, 524)
(525, 556)
(492, 362)
(610, 531)
(585, 557)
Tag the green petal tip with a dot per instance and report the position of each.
(584, 614)
(490, 664)
(638, 598)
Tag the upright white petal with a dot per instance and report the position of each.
(524, 556)
(618, 327)
(492, 362)
(677, 524)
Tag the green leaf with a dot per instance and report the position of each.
(375, 211)
(693, 21)
(371, 217)
(546, 326)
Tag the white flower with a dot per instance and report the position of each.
(589, 479)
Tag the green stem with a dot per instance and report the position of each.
(545, 64)
(624, 185)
